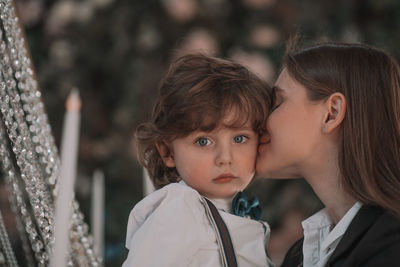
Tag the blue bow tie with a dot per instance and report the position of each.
(246, 208)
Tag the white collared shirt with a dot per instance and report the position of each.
(170, 228)
(223, 204)
(319, 240)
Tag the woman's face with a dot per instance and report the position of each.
(293, 133)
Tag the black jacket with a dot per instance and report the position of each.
(371, 240)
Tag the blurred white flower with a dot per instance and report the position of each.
(63, 11)
(199, 40)
(255, 62)
(60, 14)
(84, 12)
(67, 11)
(148, 37)
(61, 54)
(181, 10)
(264, 36)
(30, 11)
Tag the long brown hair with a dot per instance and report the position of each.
(369, 154)
(195, 94)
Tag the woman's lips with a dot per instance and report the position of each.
(264, 140)
(224, 178)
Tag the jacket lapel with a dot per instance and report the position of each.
(294, 257)
(360, 224)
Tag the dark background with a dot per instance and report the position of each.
(116, 51)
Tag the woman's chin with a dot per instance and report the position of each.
(264, 170)
(274, 174)
(263, 173)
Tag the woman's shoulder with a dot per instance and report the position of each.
(379, 222)
(373, 237)
(385, 231)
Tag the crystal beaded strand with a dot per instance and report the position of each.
(17, 54)
(23, 220)
(30, 96)
(18, 133)
(34, 148)
(17, 57)
(34, 111)
(36, 243)
(6, 246)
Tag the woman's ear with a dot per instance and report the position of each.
(166, 154)
(335, 111)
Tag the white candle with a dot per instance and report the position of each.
(97, 207)
(69, 149)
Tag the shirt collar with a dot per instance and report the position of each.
(322, 219)
(340, 228)
(319, 240)
(319, 220)
(224, 204)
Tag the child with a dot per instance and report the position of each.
(201, 142)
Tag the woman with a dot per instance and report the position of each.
(336, 122)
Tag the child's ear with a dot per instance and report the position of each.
(166, 154)
(335, 111)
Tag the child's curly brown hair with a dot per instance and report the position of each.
(195, 94)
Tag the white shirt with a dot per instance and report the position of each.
(170, 228)
(319, 241)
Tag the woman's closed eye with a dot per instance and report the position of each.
(277, 100)
(276, 105)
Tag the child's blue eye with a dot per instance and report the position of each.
(202, 141)
(239, 139)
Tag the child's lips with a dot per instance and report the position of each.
(224, 178)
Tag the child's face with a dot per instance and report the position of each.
(217, 164)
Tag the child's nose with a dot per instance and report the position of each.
(224, 155)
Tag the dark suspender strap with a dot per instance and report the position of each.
(224, 234)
